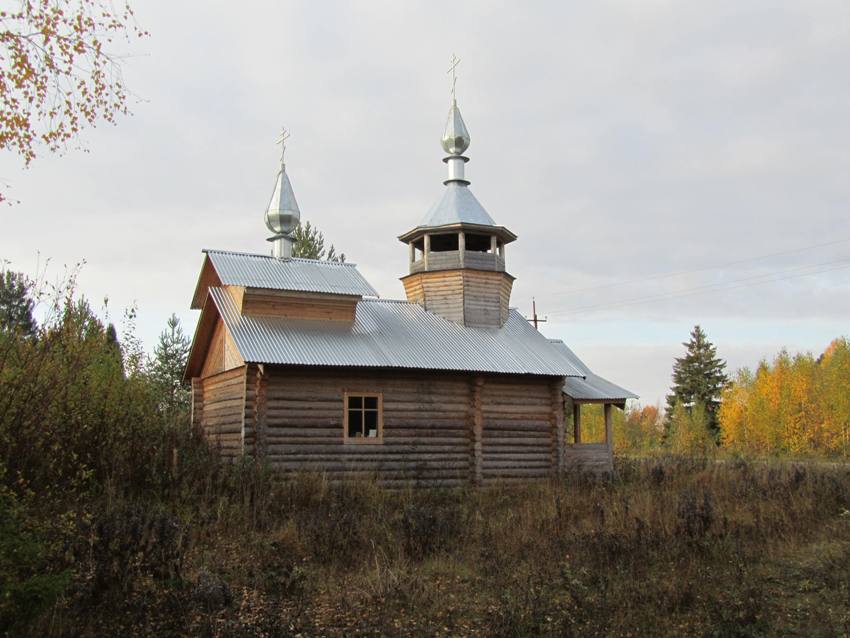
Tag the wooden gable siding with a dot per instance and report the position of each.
(222, 410)
(299, 305)
(209, 277)
(222, 353)
(446, 429)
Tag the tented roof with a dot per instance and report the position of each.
(457, 206)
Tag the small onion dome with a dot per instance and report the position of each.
(283, 215)
(456, 138)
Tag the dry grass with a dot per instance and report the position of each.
(670, 547)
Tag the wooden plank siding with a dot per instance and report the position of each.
(474, 298)
(300, 305)
(595, 458)
(438, 428)
(222, 354)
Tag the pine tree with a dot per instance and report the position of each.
(16, 304)
(698, 379)
(169, 363)
(310, 244)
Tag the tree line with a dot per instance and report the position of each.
(792, 405)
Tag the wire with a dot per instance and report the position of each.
(730, 285)
(707, 268)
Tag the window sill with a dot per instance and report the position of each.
(363, 441)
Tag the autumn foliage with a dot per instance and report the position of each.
(58, 74)
(796, 405)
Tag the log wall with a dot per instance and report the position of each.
(222, 410)
(517, 441)
(438, 428)
(425, 425)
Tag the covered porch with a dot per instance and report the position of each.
(581, 394)
(596, 456)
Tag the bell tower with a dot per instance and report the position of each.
(456, 254)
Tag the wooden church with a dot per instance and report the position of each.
(301, 363)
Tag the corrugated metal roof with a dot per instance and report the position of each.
(592, 387)
(301, 275)
(393, 334)
(457, 205)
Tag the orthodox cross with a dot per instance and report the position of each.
(455, 62)
(284, 135)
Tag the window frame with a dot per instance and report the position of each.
(377, 440)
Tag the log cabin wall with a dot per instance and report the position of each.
(517, 441)
(438, 428)
(222, 408)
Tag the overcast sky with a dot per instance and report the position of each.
(640, 150)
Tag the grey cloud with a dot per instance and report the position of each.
(619, 140)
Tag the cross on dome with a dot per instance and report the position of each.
(281, 139)
(455, 61)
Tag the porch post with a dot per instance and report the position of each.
(609, 434)
(576, 422)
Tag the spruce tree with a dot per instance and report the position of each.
(16, 304)
(698, 379)
(166, 371)
(310, 244)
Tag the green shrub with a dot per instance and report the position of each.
(27, 587)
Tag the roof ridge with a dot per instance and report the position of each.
(382, 300)
(302, 260)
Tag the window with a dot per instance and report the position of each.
(363, 422)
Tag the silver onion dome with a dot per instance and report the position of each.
(456, 138)
(283, 214)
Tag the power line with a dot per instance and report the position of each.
(730, 285)
(782, 253)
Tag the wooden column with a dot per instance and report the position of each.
(411, 254)
(609, 432)
(493, 244)
(502, 250)
(577, 422)
(426, 250)
(558, 433)
(477, 431)
(461, 247)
